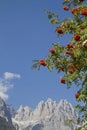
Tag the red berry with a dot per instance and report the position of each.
(81, 0)
(62, 80)
(74, 10)
(77, 95)
(66, 8)
(77, 37)
(42, 62)
(74, 58)
(82, 27)
(69, 46)
(70, 71)
(52, 51)
(72, 66)
(69, 52)
(84, 11)
(62, 68)
(59, 30)
(85, 46)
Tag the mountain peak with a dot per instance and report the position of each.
(48, 115)
(64, 105)
(2, 103)
(4, 113)
(63, 102)
(49, 100)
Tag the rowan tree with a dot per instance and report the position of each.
(71, 58)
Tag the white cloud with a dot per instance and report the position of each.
(9, 75)
(6, 84)
(3, 95)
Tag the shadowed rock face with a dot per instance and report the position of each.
(5, 117)
(38, 127)
(4, 112)
(4, 125)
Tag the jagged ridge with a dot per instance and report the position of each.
(48, 115)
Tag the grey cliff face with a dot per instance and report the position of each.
(4, 112)
(4, 125)
(48, 115)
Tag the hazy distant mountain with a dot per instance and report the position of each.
(48, 115)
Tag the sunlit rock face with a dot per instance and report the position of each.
(48, 115)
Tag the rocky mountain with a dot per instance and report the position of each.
(4, 125)
(48, 115)
(5, 117)
(4, 112)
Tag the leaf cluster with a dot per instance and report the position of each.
(71, 59)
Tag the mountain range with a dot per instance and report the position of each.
(48, 115)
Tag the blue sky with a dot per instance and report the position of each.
(25, 35)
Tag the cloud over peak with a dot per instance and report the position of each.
(5, 83)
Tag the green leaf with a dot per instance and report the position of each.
(34, 66)
(50, 16)
(50, 67)
(35, 60)
(54, 21)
